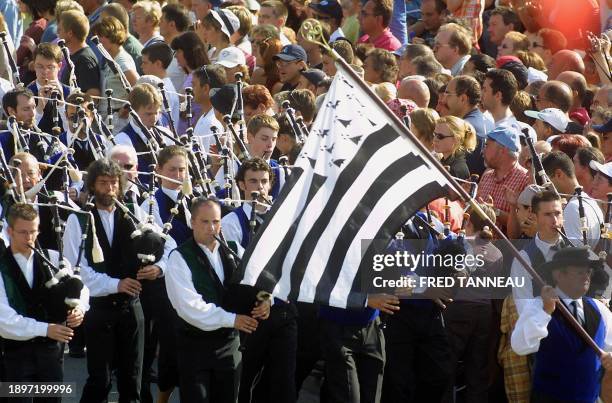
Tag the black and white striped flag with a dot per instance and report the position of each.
(357, 178)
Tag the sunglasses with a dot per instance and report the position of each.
(441, 136)
(128, 166)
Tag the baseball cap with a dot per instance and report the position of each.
(290, 53)
(228, 20)
(328, 7)
(553, 116)
(605, 169)
(527, 194)
(252, 5)
(604, 128)
(231, 57)
(315, 76)
(507, 137)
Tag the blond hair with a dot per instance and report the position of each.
(463, 132)
(151, 9)
(143, 95)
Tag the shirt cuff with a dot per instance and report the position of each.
(41, 329)
(229, 320)
(113, 283)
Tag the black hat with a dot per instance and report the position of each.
(519, 71)
(223, 99)
(572, 256)
(328, 7)
(314, 76)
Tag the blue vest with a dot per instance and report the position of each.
(565, 367)
(8, 144)
(244, 226)
(180, 231)
(276, 169)
(144, 160)
(83, 150)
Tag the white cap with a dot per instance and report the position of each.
(231, 57)
(228, 20)
(553, 116)
(252, 5)
(605, 169)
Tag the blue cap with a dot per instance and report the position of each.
(507, 137)
(604, 128)
(328, 7)
(290, 53)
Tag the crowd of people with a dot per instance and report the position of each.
(144, 142)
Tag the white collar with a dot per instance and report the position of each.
(543, 245)
(206, 250)
(173, 194)
(567, 300)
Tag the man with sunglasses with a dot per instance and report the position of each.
(290, 62)
(329, 12)
(374, 19)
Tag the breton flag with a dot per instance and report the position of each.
(359, 177)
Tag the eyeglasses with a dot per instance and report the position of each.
(440, 136)
(536, 45)
(446, 93)
(128, 166)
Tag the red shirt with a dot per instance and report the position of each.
(386, 40)
(516, 179)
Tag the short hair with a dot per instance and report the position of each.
(579, 85)
(212, 75)
(254, 164)
(385, 64)
(460, 37)
(152, 10)
(194, 50)
(49, 51)
(21, 211)
(11, 98)
(280, 10)
(558, 160)
(552, 39)
(569, 143)
(178, 14)
(245, 17)
(384, 8)
(200, 201)
(343, 48)
(543, 197)
(587, 154)
(482, 62)
(23, 156)
(159, 51)
(415, 50)
(426, 66)
(503, 81)
(268, 31)
(123, 149)
(111, 28)
(258, 122)
(104, 167)
(143, 95)
(469, 86)
(303, 101)
(257, 94)
(522, 102)
(519, 40)
(509, 17)
(558, 93)
(76, 22)
(531, 59)
(119, 12)
(434, 88)
(169, 152)
(67, 5)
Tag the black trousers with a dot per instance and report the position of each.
(159, 330)
(36, 360)
(268, 360)
(354, 361)
(418, 356)
(308, 347)
(114, 332)
(468, 327)
(209, 366)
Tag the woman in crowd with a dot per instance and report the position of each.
(453, 139)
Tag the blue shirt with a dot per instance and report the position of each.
(14, 23)
(50, 33)
(482, 124)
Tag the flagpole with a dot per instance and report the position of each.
(347, 69)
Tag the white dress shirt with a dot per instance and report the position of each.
(523, 296)
(531, 326)
(571, 221)
(188, 303)
(101, 284)
(203, 132)
(123, 138)
(176, 74)
(18, 327)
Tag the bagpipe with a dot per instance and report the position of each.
(11, 60)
